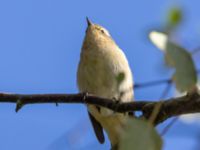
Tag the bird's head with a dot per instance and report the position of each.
(96, 30)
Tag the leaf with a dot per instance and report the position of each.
(174, 18)
(120, 77)
(185, 76)
(140, 135)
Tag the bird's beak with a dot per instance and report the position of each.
(88, 22)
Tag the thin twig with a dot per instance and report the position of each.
(166, 129)
(171, 123)
(152, 83)
(166, 90)
(158, 106)
(155, 112)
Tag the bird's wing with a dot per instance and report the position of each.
(97, 129)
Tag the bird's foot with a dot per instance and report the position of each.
(85, 95)
(117, 103)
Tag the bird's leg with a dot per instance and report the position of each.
(117, 103)
(85, 95)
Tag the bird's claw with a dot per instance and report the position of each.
(85, 95)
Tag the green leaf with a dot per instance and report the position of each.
(174, 17)
(120, 77)
(185, 76)
(140, 135)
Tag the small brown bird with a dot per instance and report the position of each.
(101, 64)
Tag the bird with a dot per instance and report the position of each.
(104, 71)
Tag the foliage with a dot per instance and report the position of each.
(185, 76)
(140, 135)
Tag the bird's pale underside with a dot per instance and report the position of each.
(101, 62)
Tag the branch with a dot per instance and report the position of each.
(187, 104)
(21, 99)
(169, 108)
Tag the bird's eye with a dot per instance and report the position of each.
(102, 31)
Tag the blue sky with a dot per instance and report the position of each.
(40, 42)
